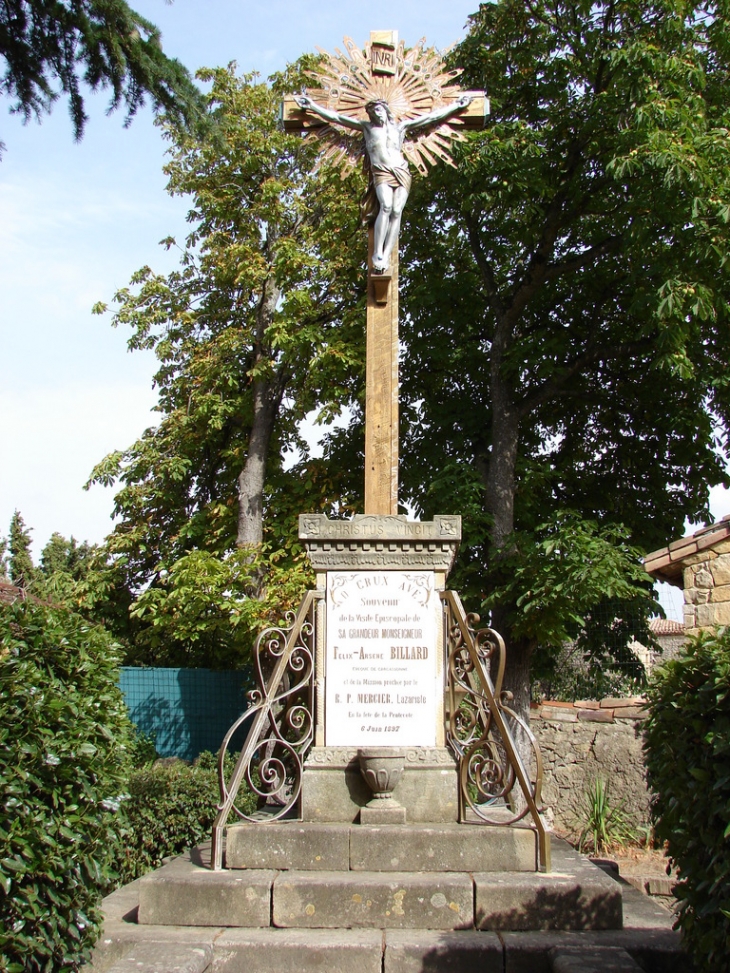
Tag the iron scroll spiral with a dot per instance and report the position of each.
(500, 765)
(280, 720)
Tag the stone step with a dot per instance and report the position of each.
(299, 951)
(357, 951)
(576, 895)
(395, 848)
(126, 950)
(187, 893)
(373, 900)
(647, 937)
(153, 957)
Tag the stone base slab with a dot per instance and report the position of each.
(287, 845)
(446, 952)
(154, 957)
(587, 900)
(599, 959)
(383, 848)
(382, 815)
(333, 789)
(655, 950)
(399, 900)
(443, 848)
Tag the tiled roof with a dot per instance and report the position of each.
(667, 564)
(666, 626)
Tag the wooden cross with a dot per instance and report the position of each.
(381, 372)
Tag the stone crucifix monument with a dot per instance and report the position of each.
(381, 676)
(382, 704)
(379, 733)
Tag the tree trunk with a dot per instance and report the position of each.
(500, 488)
(267, 395)
(253, 475)
(517, 676)
(500, 498)
(500, 485)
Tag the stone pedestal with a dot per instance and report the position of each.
(381, 646)
(333, 789)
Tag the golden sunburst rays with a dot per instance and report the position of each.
(419, 85)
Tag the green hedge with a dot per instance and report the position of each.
(169, 809)
(688, 761)
(64, 733)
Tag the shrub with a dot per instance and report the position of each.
(170, 808)
(63, 768)
(688, 760)
(603, 826)
(142, 749)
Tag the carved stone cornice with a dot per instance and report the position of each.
(380, 542)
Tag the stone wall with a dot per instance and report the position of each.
(584, 741)
(707, 588)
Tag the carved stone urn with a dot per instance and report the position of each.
(382, 768)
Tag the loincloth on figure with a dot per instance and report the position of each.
(394, 176)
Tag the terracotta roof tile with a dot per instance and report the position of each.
(666, 626)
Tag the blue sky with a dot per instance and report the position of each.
(77, 219)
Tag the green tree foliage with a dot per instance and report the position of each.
(86, 579)
(51, 48)
(63, 564)
(20, 565)
(687, 746)
(566, 290)
(208, 608)
(261, 324)
(82, 577)
(63, 769)
(572, 581)
(61, 554)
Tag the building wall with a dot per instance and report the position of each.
(581, 742)
(707, 588)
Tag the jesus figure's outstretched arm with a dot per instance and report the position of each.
(438, 115)
(306, 104)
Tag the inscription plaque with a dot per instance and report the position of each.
(381, 658)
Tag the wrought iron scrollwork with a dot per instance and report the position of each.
(500, 765)
(280, 725)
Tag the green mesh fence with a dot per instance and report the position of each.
(185, 710)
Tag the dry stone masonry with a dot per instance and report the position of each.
(707, 588)
(583, 741)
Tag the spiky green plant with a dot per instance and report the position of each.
(604, 826)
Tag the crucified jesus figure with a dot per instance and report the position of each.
(390, 179)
